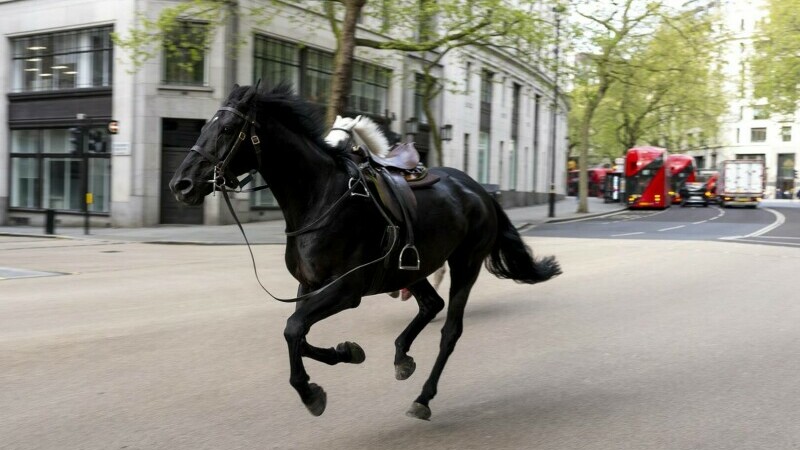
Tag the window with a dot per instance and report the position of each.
(46, 170)
(275, 62)
(185, 54)
(466, 153)
(467, 77)
(760, 113)
(758, 135)
(483, 157)
(786, 134)
(738, 133)
(370, 89)
(317, 77)
(513, 161)
(486, 87)
(419, 98)
(63, 60)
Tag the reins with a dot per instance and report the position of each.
(356, 179)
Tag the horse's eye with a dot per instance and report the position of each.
(226, 129)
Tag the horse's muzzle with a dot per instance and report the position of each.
(184, 191)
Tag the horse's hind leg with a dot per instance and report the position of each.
(430, 303)
(462, 277)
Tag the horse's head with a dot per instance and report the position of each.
(222, 152)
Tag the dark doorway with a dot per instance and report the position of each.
(177, 137)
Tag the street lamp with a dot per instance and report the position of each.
(551, 198)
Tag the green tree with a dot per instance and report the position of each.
(611, 34)
(669, 89)
(775, 68)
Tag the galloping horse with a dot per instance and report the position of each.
(340, 248)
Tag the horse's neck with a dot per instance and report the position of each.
(303, 179)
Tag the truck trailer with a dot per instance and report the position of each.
(741, 183)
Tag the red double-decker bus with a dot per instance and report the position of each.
(647, 178)
(682, 169)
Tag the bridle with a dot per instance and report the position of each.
(220, 165)
(220, 183)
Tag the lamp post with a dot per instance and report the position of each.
(551, 197)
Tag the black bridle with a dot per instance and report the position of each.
(220, 183)
(221, 164)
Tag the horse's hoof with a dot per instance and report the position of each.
(405, 368)
(317, 401)
(419, 411)
(357, 355)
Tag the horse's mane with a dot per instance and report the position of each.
(294, 113)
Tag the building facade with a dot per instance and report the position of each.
(65, 81)
(748, 130)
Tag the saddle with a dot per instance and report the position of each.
(394, 178)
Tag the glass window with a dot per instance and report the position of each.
(486, 87)
(63, 60)
(483, 157)
(319, 71)
(46, 173)
(370, 90)
(24, 183)
(786, 134)
(276, 62)
(758, 135)
(185, 54)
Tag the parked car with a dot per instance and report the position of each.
(694, 193)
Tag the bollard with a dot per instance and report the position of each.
(50, 221)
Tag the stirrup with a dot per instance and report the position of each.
(411, 248)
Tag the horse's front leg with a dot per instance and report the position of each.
(430, 303)
(298, 325)
(345, 352)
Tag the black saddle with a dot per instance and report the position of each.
(393, 178)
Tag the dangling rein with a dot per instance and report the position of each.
(351, 191)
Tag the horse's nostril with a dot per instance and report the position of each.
(183, 186)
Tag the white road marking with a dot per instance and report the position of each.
(779, 220)
(627, 234)
(702, 221)
(672, 228)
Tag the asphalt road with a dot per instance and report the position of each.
(641, 344)
(768, 225)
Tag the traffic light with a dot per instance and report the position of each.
(75, 139)
(96, 143)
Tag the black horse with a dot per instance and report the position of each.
(458, 222)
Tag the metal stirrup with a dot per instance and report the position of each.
(409, 248)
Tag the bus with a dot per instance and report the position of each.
(647, 178)
(682, 169)
(596, 178)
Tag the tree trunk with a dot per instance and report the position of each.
(429, 94)
(341, 79)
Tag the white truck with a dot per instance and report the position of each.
(741, 183)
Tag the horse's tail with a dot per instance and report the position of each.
(511, 258)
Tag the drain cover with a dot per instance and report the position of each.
(7, 273)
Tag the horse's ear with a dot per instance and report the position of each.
(251, 92)
(235, 86)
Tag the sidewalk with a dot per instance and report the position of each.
(272, 232)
